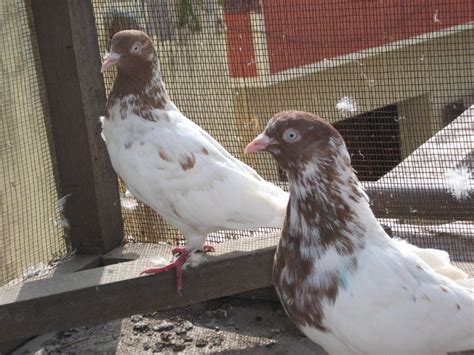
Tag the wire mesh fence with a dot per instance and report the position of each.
(388, 75)
(30, 229)
(392, 77)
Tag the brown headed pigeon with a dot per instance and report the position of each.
(171, 164)
(341, 279)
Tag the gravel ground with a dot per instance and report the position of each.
(224, 326)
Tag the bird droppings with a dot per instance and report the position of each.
(273, 334)
(180, 331)
(458, 182)
(136, 318)
(200, 343)
(141, 327)
(163, 327)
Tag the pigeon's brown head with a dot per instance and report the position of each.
(132, 52)
(295, 138)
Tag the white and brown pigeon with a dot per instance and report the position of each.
(341, 279)
(171, 164)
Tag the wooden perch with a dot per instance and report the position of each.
(110, 292)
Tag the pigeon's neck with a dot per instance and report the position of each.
(140, 93)
(321, 239)
(327, 207)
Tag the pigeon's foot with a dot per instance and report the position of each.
(198, 256)
(178, 250)
(177, 264)
(205, 248)
(208, 248)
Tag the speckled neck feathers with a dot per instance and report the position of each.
(321, 236)
(140, 93)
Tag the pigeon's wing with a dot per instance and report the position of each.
(398, 300)
(193, 181)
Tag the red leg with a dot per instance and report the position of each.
(181, 250)
(178, 250)
(177, 264)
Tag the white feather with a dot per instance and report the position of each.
(395, 303)
(219, 192)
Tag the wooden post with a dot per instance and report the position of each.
(70, 61)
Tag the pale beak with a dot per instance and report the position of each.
(109, 60)
(258, 144)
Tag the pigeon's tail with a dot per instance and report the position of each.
(281, 204)
(440, 262)
(468, 283)
(278, 219)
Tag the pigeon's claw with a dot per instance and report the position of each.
(177, 264)
(178, 250)
(208, 248)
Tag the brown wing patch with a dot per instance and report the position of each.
(188, 162)
(163, 155)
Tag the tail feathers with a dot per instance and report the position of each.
(453, 272)
(468, 283)
(440, 262)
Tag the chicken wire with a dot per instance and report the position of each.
(388, 75)
(30, 218)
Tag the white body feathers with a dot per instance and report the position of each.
(396, 301)
(217, 192)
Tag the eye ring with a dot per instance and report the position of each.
(135, 48)
(291, 135)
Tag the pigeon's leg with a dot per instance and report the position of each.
(177, 264)
(180, 250)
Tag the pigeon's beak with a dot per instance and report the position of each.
(258, 144)
(109, 60)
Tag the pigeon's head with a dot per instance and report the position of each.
(131, 51)
(295, 138)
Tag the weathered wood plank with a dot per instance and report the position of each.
(78, 263)
(115, 291)
(418, 187)
(70, 60)
(416, 199)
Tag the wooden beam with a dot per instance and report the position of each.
(115, 291)
(415, 199)
(78, 263)
(70, 61)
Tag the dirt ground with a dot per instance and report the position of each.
(224, 326)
